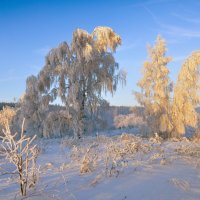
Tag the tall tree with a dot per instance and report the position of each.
(33, 107)
(80, 72)
(186, 94)
(155, 89)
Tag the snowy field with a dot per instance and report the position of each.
(122, 167)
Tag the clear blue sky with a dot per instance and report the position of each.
(29, 28)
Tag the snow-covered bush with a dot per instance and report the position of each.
(120, 151)
(130, 120)
(89, 159)
(56, 124)
(156, 139)
(23, 155)
(110, 154)
(188, 148)
(6, 117)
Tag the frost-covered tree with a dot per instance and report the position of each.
(32, 107)
(186, 95)
(80, 72)
(155, 89)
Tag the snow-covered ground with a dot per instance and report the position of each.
(122, 167)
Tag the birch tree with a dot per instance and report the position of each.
(32, 107)
(186, 95)
(79, 73)
(155, 89)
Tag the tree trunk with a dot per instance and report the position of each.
(82, 116)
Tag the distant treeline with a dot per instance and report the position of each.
(10, 104)
(117, 109)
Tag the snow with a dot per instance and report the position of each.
(120, 167)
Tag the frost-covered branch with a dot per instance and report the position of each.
(22, 154)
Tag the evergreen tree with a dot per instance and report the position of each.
(155, 89)
(186, 95)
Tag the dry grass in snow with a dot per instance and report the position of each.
(117, 167)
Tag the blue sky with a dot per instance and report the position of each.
(30, 28)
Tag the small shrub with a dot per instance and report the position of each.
(6, 117)
(23, 155)
(89, 160)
